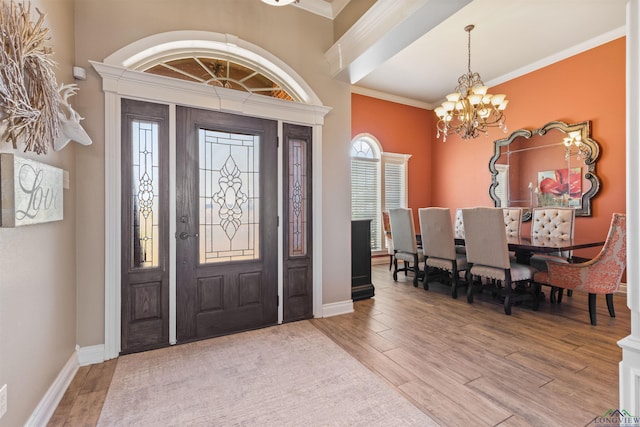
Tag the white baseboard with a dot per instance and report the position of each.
(90, 355)
(47, 406)
(337, 308)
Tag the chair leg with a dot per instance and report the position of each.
(390, 262)
(592, 308)
(469, 277)
(569, 292)
(416, 270)
(507, 294)
(425, 285)
(560, 293)
(612, 312)
(395, 269)
(454, 281)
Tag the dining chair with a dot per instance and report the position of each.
(600, 275)
(512, 221)
(488, 256)
(386, 225)
(458, 231)
(438, 246)
(552, 222)
(405, 247)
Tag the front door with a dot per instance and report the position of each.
(226, 231)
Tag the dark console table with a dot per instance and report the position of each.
(361, 286)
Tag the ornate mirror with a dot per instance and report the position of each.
(551, 166)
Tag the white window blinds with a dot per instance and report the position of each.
(394, 186)
(502, 189)
(365, 196)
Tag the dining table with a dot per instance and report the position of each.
(524, 246)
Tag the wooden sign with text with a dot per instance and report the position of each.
(30, 191)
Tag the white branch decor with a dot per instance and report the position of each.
(29, 99)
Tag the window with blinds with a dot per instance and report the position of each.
(502, 189)
(365, 196)
(395, 195)
(378, 183)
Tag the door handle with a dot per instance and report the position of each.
(184, 235)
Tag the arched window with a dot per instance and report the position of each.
(218, 71)
(378, 183)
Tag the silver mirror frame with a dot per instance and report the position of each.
(590, 162)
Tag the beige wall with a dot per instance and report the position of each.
(297, 37)
(37, 267)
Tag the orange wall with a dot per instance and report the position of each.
(399, 129)
(588, 86)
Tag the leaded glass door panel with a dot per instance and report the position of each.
(226, 235)
(145, 226)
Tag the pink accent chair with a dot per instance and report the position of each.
(601, 275)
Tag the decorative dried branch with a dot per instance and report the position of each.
(29, 97)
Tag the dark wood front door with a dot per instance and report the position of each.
(226, 231)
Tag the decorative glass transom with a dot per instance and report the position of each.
(229, 187)
(221, 73)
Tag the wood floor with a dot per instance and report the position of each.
(462, 364)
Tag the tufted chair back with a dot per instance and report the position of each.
(512, 221)
(458, 226)
(553, 222)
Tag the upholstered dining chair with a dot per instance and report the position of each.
(488, 254)
(386, 225)
(458, 225)
(438, 246)
(552, 222)
(405, 247)
(600, 275)
(512, 221)
(458, 230)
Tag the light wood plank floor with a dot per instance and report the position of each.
(462, 364)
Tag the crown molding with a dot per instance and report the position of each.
(560, 56)
(359, 90)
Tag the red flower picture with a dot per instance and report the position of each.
(560, 187)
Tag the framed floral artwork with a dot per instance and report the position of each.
(560, 187)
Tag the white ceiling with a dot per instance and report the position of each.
(511, 38)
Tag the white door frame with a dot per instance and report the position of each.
(120, 82)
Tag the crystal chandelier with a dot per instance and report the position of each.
(470, 110)
(280, 2)
(575, 139)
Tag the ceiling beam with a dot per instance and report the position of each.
(384, 30)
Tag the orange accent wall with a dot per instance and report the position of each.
(399, 129)
(589, 86)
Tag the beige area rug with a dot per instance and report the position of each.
(290, 374)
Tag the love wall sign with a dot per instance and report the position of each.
(30, 191)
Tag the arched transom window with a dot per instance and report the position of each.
(219, 72)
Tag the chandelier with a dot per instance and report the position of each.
(470, 110)
(575, 139)
(279, 2)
